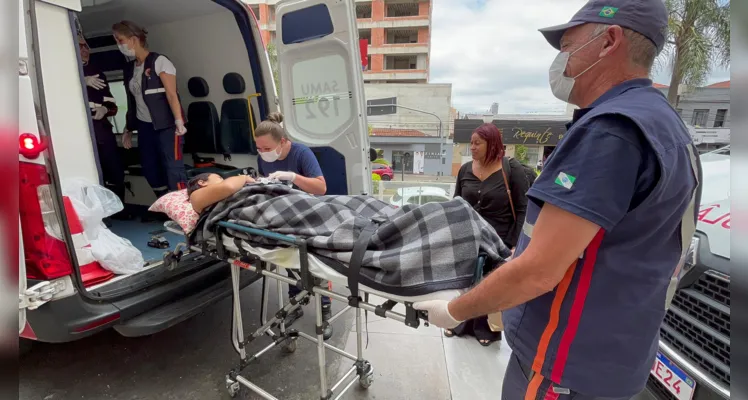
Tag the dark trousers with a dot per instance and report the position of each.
(521, 383)
(293, 290)
(112, 169)
(161, 158)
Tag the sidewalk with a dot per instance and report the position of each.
(415, 364)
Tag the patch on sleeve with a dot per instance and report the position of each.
(565, 180)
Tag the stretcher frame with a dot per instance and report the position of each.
(312, 289)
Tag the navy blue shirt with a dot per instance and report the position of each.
(300, 159)
(623, 165)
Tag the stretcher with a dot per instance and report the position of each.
(311, 274)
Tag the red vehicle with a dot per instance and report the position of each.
(384, 171)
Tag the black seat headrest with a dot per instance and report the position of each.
(233, 83)
(198, 87)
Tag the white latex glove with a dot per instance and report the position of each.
(100, 112)
(283, 176)
(438, 313)
(181, 130)
(95, 82)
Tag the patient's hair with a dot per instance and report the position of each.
(129, 29)
(271, 126)
(194, 183)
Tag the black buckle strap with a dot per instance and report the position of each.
(357, 258)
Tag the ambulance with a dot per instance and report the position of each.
(225, 83)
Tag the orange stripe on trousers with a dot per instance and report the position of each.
(533, 387)
(553, 319)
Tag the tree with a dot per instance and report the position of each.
(273, 56)
(698, 39)
(520, 153)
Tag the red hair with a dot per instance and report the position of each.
(494, 142)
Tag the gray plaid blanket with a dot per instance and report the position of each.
(414, 250)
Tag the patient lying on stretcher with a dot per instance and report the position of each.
(406, 251)
(207, 189)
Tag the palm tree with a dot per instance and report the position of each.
(698, 40)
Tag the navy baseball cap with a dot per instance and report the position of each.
(647, 17)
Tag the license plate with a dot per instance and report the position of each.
(673, 378)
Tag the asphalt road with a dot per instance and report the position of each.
(186, 362)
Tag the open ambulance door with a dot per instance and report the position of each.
(322, 88)
(21, 280)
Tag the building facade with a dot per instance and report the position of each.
(528, 137)
(423, 107)
(411, 151)
(398, 33)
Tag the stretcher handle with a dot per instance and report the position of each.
(259, 232)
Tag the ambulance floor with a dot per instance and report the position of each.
(140, 233)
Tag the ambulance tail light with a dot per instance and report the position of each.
(45, 252)
(30, 146)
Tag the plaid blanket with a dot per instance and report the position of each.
(414, 250)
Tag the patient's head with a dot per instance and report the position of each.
(269, 135)
(201, 181)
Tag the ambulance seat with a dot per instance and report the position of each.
(236, 132)
(202, 121)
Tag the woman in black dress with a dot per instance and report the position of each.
(499, 197)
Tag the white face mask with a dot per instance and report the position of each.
(270, 156)
(561, 85)
(126, 50)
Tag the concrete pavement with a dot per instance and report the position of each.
(190, 360)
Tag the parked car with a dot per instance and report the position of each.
(419, 195)
(693, 361)
(384, 171)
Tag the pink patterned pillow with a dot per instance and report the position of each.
(177, 206)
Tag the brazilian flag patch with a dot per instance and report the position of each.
(608, 12)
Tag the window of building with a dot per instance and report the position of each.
(363, 10)
(401, 62)
(719, 119)
(256, 10)
(271, 14)
(699, 118)
(394, 10)
(401, 36)
(386, 106)
(365, 34)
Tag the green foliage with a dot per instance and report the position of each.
(520, 153)
(375, 183)
(698, 40)
(273, 56)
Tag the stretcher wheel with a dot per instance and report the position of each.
(233, 387)
(290, 346)
(367, 378)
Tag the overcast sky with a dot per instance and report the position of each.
(490, 51)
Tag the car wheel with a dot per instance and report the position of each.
(386, 178)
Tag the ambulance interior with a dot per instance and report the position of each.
(225, 88)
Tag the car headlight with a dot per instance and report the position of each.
(693, 252)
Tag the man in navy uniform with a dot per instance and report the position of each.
(609, 221)
(102, 104)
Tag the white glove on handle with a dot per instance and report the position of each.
(180, 130)
(283, 176)
(438, 313)
(100, 113)
(95, 82)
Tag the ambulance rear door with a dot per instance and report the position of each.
(322, 88)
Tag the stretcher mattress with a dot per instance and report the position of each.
(288, 258)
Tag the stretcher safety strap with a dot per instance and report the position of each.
(357, 258)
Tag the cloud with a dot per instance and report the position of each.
(491, 51)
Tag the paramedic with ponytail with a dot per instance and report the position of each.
(294, 163)
(154, 110)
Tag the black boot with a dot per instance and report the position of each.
(327, 327)
(293, 316)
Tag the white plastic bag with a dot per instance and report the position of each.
(92, 203)
(116, 254)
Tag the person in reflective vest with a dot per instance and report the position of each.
(154, 110)
(102, 104)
